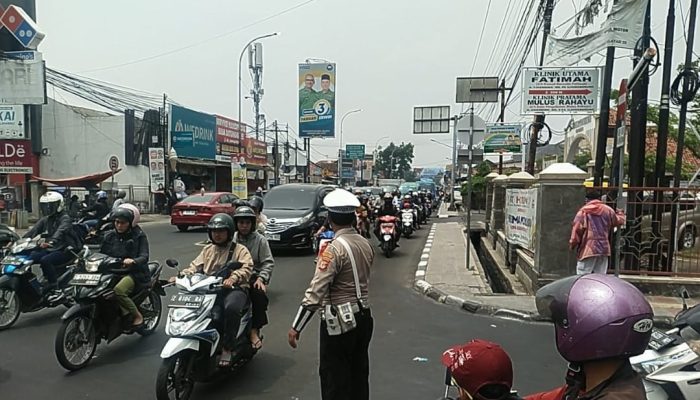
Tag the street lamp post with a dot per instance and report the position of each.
(340, 152)
(240, 60)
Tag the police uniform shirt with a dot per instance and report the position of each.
(333, 278)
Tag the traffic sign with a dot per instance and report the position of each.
(621, 111)
(22, 27)
(113, 163)
(355, 151)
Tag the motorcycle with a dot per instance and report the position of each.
(191, 353)
(93, 237)
(363, 224)
(7, 237)
(387, 234)
(321, 243)
(407, 222)
(20, 289)
(670, 366)
(97, 316)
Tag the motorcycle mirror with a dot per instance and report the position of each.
(172, 263)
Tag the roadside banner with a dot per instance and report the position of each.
(239, 181)
(560, 91)
(156, 169)
(317, 105)
(503, 138)
(521, 208)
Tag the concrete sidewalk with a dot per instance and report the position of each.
(443, 275)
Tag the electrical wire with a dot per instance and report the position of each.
(678, 95)
(481, 36)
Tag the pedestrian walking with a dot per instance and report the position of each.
(340, 291)
(590, 234)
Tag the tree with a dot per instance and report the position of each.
(478, 185)
(581, 160)
(402, 156)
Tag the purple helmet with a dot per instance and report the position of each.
(596, 316)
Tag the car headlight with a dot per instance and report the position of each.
(306, 218)
(649, 367)
(92, 266)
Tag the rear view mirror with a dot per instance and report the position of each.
(172, 263)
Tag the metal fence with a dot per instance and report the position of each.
(660, 236)
(140, 196)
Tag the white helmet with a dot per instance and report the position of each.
(101, 195)
(51, 203)
(135, 213)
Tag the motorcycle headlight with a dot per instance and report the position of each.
(387, 238)
(183, 314)
(176, 328)
(8, 269)
(649, 367)
(92, 266)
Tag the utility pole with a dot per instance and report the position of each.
(685, 97)
(275, 155)
(296, 160)
(537, 126)
(604, 119)
(307, 147)
(255, 63)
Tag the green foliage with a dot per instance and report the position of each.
(581, 160)
(402, 158)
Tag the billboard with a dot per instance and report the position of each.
(503, 139)
(229, 131)
(193, 133)
(12, 122)
(16, 157)
(560, 90)
(255, 152)
(22, 82)
(156, 169)
(317, 105)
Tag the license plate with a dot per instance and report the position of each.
(273, 236)
(182, 300)
(189, 212)
(660, 340)
(85, 279)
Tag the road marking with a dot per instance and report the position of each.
(424, 256)
(420, 274)
(422, 264)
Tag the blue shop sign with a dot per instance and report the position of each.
(193, 133)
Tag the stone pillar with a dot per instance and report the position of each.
(559, 196)
(499, 202)
(489, 198)
(36, 189)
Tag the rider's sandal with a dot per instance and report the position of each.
(225, 360)
(258, 344)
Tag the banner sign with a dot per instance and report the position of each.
(595, 27)
(560, 91)
(22, 82)
(255, 152)
(193, 133)
(16, 157)
(503, 138)
(156, 169)
(521, 206)
(11, 122)
(239, 181)
(317, 100)
(229, 131)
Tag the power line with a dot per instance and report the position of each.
(481, 36)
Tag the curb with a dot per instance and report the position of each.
(479, 307)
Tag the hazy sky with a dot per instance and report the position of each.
(390, 55)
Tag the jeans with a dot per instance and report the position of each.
(48, 261)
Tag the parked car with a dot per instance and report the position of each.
(197, 209)
(688, 224)
(294, 212)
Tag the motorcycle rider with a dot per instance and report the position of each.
(58, 225)
(257, 204)
(263, 263)
(223, 251)
(100, 210)
(362, 213)
(480, 369)
(600, 321)
(120, 200)
(388, 209)
(130, 243)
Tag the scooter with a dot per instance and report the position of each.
(20, 289)
(387, 234)
(670, 366)
(191, 353)
(407, 222)
(97, 316)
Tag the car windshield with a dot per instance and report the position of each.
(198, 198)
(290, 199)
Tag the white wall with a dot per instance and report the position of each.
(80, 142)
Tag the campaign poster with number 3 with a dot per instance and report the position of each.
(317, 100)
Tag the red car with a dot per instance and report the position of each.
(197, 209)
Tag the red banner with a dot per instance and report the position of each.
(256, 152)
(16, 157)
(229, 131)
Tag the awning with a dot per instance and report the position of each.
(201, 163)
(86, 181)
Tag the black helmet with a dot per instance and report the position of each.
(240, 203)
(221, 221)
(121, 194)
(256, 202)
(244, 212)
(123, 213)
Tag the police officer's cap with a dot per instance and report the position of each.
(341, 201)
(325, 77)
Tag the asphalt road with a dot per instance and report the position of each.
(407, 325)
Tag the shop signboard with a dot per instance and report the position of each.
(12, 122)
(229, 132)
(156, 169)
(15, 157)
(193, 133)
(562, 91)
(255, 152)
(521, 208)
(22, 82)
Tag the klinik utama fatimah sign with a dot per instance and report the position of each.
(560, 90)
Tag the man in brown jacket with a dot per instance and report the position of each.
(225, 256)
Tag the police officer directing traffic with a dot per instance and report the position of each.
(340, 291)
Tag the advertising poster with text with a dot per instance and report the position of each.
(317, 100)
